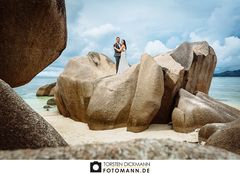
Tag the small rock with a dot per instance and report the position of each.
(51, 102)
(47, 107)
(46, 90)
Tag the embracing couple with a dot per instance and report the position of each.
(120, 55)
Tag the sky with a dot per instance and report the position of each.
(151, 26)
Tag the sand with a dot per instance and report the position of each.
(76, 133)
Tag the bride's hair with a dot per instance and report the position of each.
(124, 42)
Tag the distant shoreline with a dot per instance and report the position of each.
(235, 73)
(224, 76)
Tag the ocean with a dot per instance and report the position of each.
(28, 92)
(224, 89)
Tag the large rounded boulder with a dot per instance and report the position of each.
(194, 111)
(148, 95)
(130, 99)
(90, 91)
(21, 127)
(199, 61)
(75, 85)
(111, 101)
(190, 66)
(222, 135)
(32, 35)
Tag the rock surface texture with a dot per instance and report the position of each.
(46, 90)
(92, 93)
(191, 67)
(199, 61)
(129, 99)
(225, 135)
(75, 85)
(150, 149)
(195, 111)
(32, 35)
(21, 127)
(111, 101)
(148, 95)
(145, 93)
(173, 79)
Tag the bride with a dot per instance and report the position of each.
(123, 64)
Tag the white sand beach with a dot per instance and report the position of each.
(76, 133)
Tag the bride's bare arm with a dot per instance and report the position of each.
(120, 50)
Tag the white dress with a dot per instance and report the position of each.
(123, 64)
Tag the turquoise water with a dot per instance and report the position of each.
(224, 89)
(28, 92)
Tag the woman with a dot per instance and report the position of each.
(123, 64)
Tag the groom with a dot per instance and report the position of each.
(117, 54)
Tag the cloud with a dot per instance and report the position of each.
(152, 26)
(227, 51)
(193, 37)
(173, 41)
(155, 47)
(51, 72)
(133, 53)
(100, 31)
(224, 20)
(98, 38)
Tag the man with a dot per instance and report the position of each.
(117, 54)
